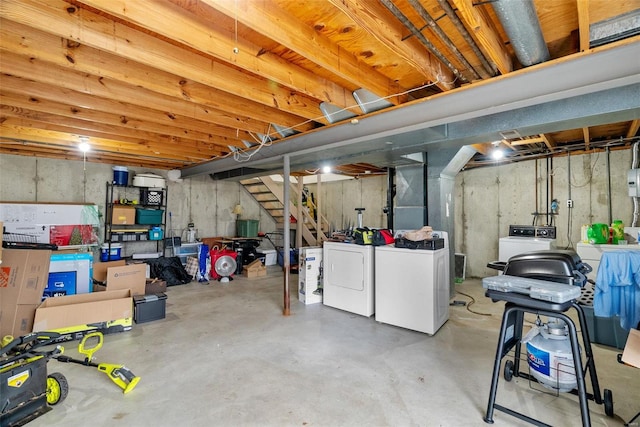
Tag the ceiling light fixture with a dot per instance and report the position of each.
(84, 145)
(326, 169)
(497, 153)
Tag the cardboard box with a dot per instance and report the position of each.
(100, 269)
(74, 315)
(631, 353)
(155, 286)
(1, 233)
(123, 215)
(255, 269)
(132, 276)
(18, 320)
(23, 276)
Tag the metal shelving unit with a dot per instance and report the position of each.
(125, 195)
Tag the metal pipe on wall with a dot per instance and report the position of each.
(287, 236)
(391, 193)
(548, 201)
(634, 165)
(536, 187)
(608, 160)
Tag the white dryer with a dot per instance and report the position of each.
(348, 277)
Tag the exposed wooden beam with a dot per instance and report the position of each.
(548, 141)
(82, 26)
(51, 82)
(29, 106)
(87, 127)
(185, 28)
(38, 149)
(374, 18)
(586, 137)
(482, 148)
(526, 141)
(268, 19)
(478, 22)
(52, 49)
(633, 128)
(14, 135)
(13, 127)
(583, 24)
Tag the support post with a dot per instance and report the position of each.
(287, 236)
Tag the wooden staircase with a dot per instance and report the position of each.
(270, 195)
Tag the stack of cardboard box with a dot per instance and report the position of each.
(149, 300)
(23, 277)
(254, 269)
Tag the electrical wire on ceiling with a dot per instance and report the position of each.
(242, 155)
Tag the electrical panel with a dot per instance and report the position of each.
(634, 182)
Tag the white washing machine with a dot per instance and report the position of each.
(348, 277)
(412, 287)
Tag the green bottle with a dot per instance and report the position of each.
(618, 231)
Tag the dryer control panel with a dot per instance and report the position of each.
(541, 232)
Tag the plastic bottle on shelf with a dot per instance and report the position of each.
(617, 234)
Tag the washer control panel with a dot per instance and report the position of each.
(542, 232)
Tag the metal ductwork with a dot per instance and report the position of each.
(520, 21)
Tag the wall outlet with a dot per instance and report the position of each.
(569, 203)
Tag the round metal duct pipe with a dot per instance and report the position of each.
(520, 21)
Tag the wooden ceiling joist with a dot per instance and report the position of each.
(91, 90)
(165, 19)
(176, 83)
(373, 15)
(94, 119)
(268, 18)
(486, 36)
(32, 130)
(51, 49)
(82, 26)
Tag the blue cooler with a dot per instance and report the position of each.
(112, 254)
(120, 175)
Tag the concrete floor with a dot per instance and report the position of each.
(225, 356)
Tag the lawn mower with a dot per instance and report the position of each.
(26, 391)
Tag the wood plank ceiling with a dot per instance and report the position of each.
(175, 83)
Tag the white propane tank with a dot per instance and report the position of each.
(550, 358)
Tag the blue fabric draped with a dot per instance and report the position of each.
(618, 287)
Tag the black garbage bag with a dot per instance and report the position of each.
(169, 269)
